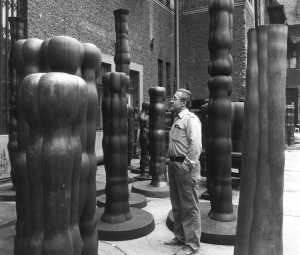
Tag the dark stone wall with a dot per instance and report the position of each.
(93, 21)
(194, 54)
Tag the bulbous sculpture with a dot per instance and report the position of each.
(17, 33)
(87, 202)
(144, 140)
(26, 60)
(218, 142)
(260, 213)
(157, 137)
(54, 105)
(114, 143)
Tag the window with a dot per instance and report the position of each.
(160, 73)
(168, 79)
(292, 59)
(105, 68)
(12, 8)
(133, 89)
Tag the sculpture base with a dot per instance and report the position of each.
(8, 214)
(144, 177)
(148, 190)
(100, 188)
(135, 200)
(205, 195)
(136, 170)
(141, 224)
(6, 193)
(212, 232)
(7, 237)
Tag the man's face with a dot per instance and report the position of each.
(176, 103)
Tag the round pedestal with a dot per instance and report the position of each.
(212, 232)
(135, 200)
(148, 190)
(143, 177)
(100, 188)
(136, 170)
(205, 195)
(8, 215)
(141, 224)
(7, 238)
(6, 192)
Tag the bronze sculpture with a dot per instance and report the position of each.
(17, 32)
(218, 142)
(144, 140)
(26, 59)
(64, 54)
(91, 61)
(115, 148)
(54, 105)
(157, 137)
(260, 213)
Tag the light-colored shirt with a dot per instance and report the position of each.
(185, 137)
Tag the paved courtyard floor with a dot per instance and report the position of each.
(152, 244)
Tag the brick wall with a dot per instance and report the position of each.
(194, 54)
(290, 7)
(93, 21)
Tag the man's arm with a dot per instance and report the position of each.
(195, 142)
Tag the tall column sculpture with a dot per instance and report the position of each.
(118, 221)
(237, 126)
(122, 54)
(259, 226)
(54, 105)
(17, 32)
(115, 147)
(26, 59)
(157, 137)
(218, 146)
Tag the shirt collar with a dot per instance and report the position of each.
(182, 113)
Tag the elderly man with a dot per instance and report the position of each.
(184, 174)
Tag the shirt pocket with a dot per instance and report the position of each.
(178, 133)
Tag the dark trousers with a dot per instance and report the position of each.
(185, 205)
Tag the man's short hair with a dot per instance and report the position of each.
(187, 96)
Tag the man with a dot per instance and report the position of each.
(184, 174)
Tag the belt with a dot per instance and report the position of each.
(177, 159)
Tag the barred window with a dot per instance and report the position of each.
(10, 8)
(293, 59)
(132, 92)
(168, 79)
(160, 73)
(105, 68)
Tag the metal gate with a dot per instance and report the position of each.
(9, 8)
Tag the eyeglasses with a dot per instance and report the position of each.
(174, 99)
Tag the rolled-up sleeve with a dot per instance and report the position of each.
(194, 139)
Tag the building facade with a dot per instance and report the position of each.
(194, 54)
(151, 42)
